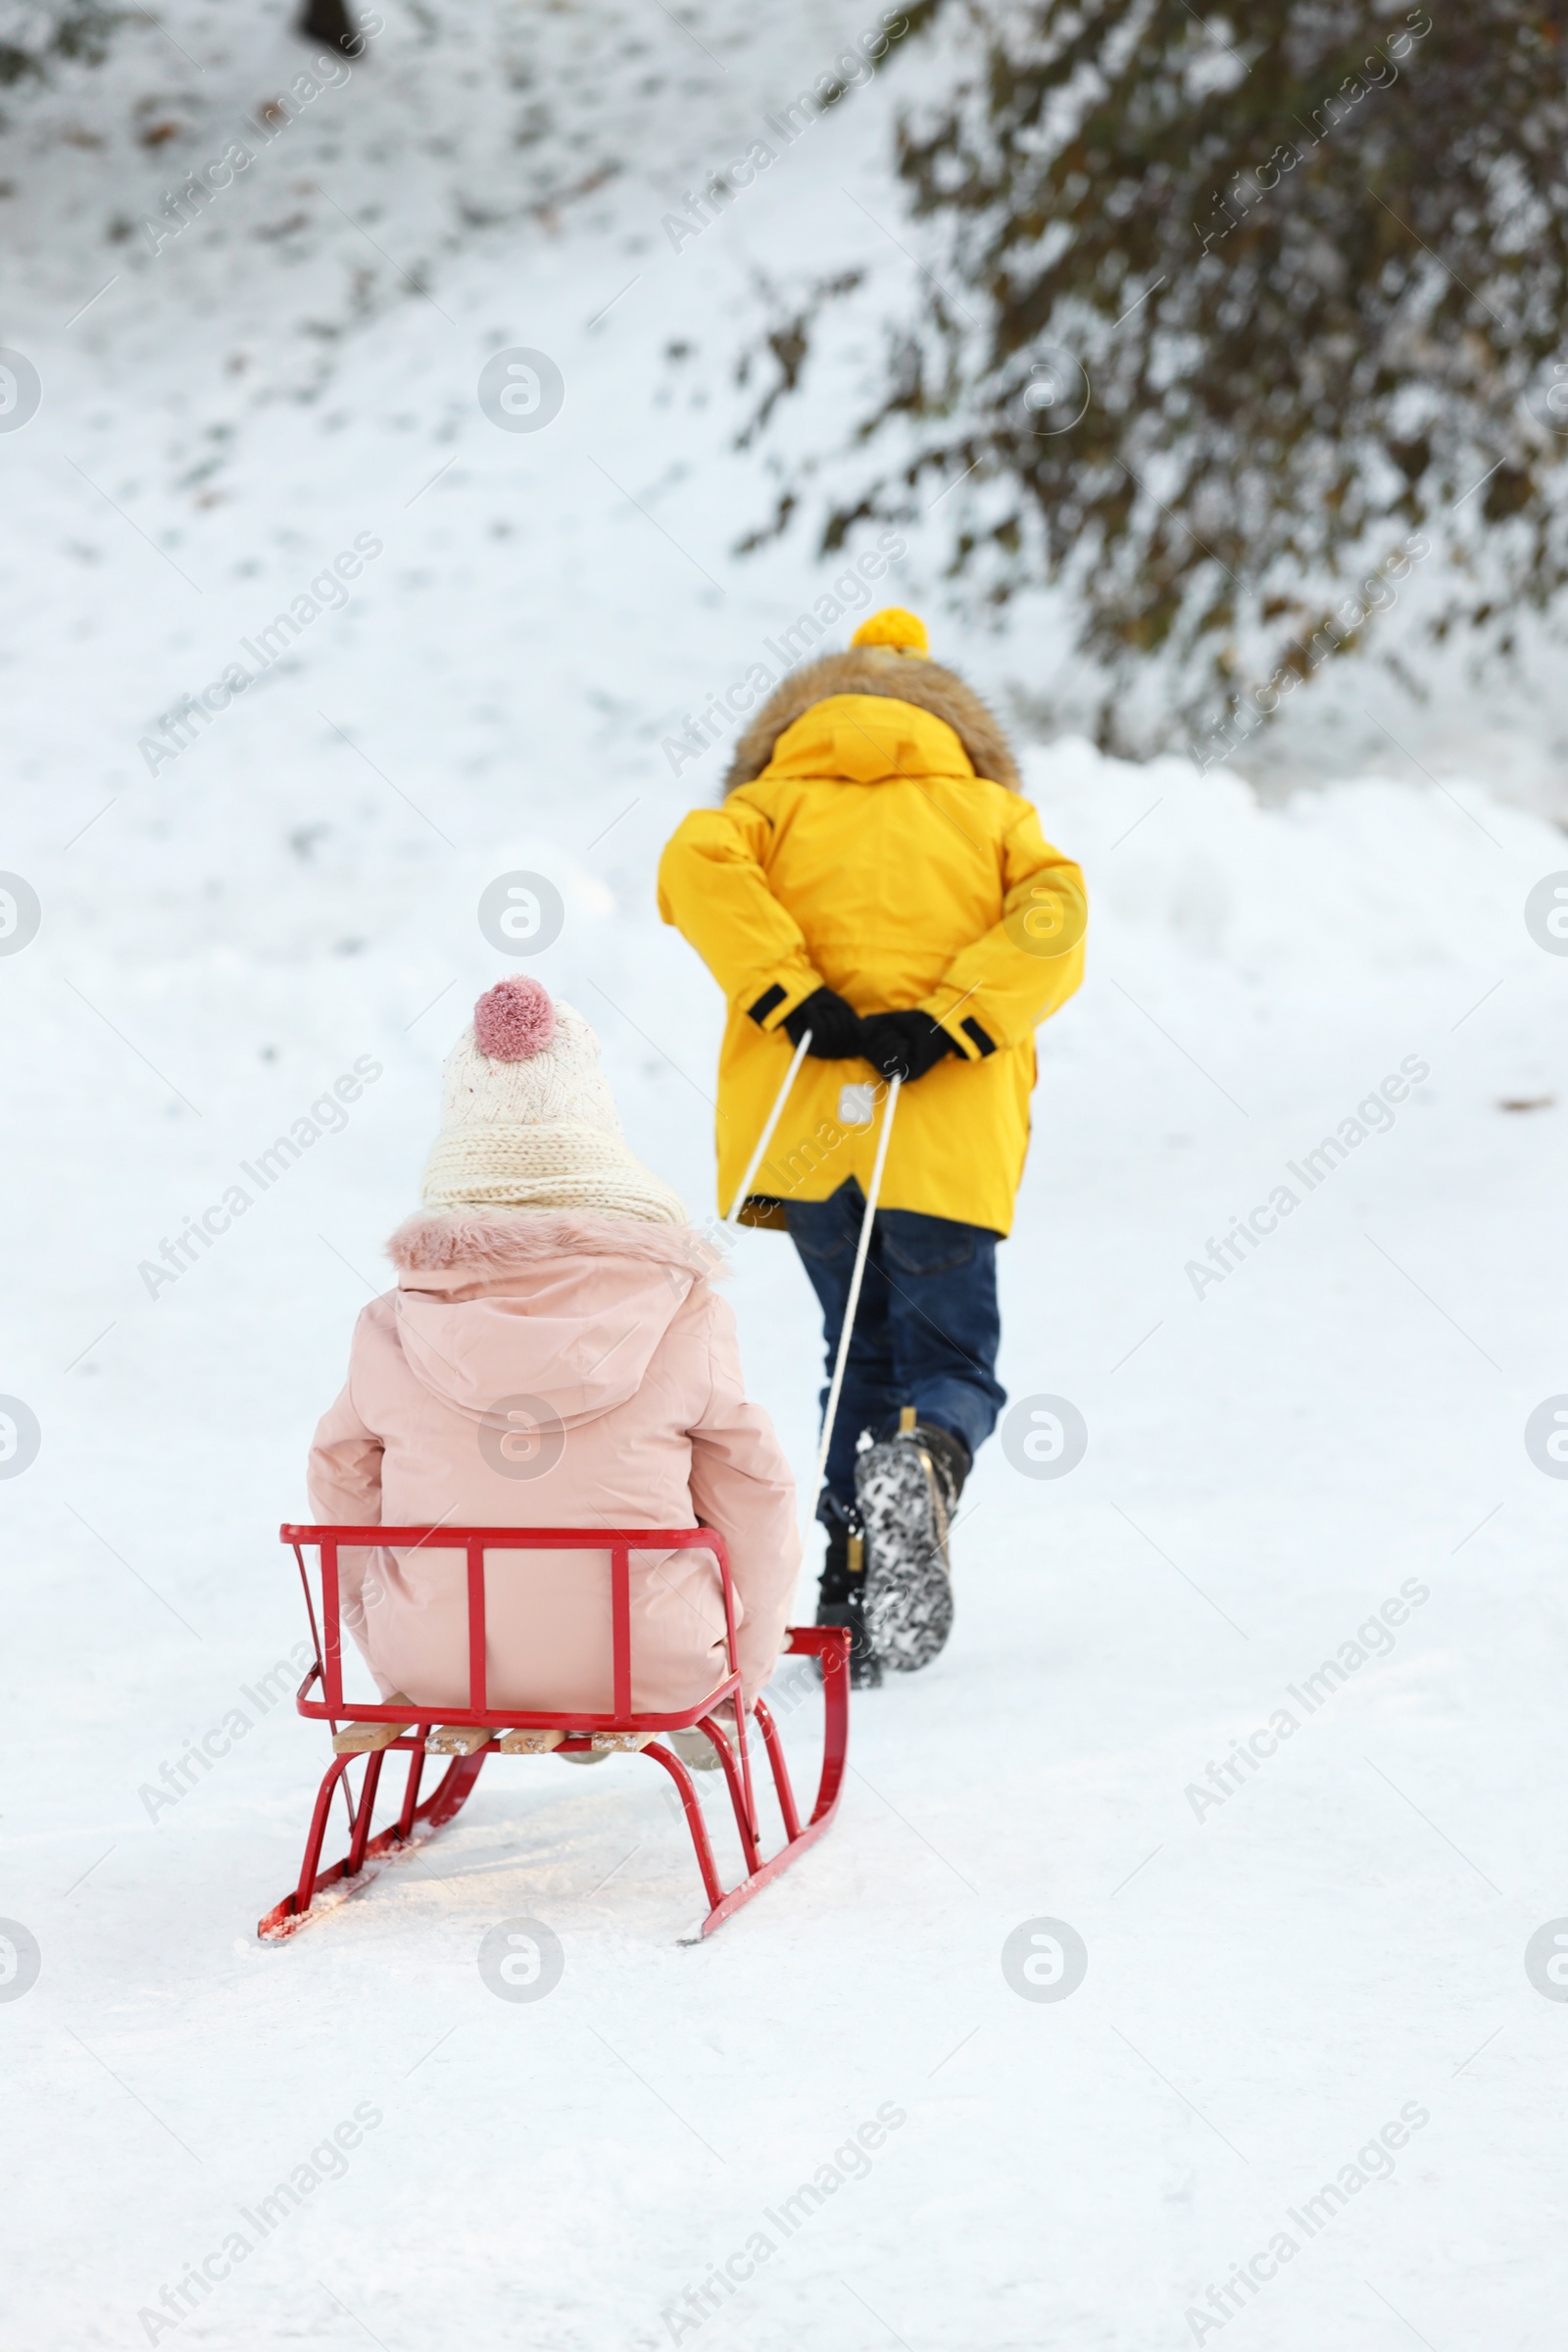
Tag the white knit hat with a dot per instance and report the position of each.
(529, 1120)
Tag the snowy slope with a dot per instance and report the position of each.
(1273, 1978)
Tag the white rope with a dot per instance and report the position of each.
(831, 1415)
(767, 1135)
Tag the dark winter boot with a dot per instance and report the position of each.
(908, 1486)
(842, 1600)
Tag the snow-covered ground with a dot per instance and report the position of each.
(1328, 1442)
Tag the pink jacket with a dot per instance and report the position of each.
(555, 1369)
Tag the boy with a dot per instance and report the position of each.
(876, 876)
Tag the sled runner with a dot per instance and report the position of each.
(368, 1734)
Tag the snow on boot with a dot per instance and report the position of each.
(842, 1602)
(908, 1486)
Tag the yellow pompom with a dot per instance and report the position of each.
(904, 631)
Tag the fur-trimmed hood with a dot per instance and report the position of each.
(563, 1308)
(584, 1376)
(901, 677)
(482, 1243)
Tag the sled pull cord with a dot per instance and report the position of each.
(767, 1135)
(831, 1414)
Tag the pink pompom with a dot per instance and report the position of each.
(514, 1020)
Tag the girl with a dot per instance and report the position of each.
(554, 1354)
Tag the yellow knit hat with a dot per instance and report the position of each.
(904, 631)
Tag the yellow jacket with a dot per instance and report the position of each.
(870, 858)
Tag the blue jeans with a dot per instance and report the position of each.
(926, 1330)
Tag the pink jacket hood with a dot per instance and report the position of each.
(615, 1326)
(489, 1305)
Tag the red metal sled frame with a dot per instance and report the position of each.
(829, 1644)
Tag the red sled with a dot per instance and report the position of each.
(471, 1734)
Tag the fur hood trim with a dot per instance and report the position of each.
(902, 679)
(498, 1240)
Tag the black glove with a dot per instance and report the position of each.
(835, 1026)
(905, 1045)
